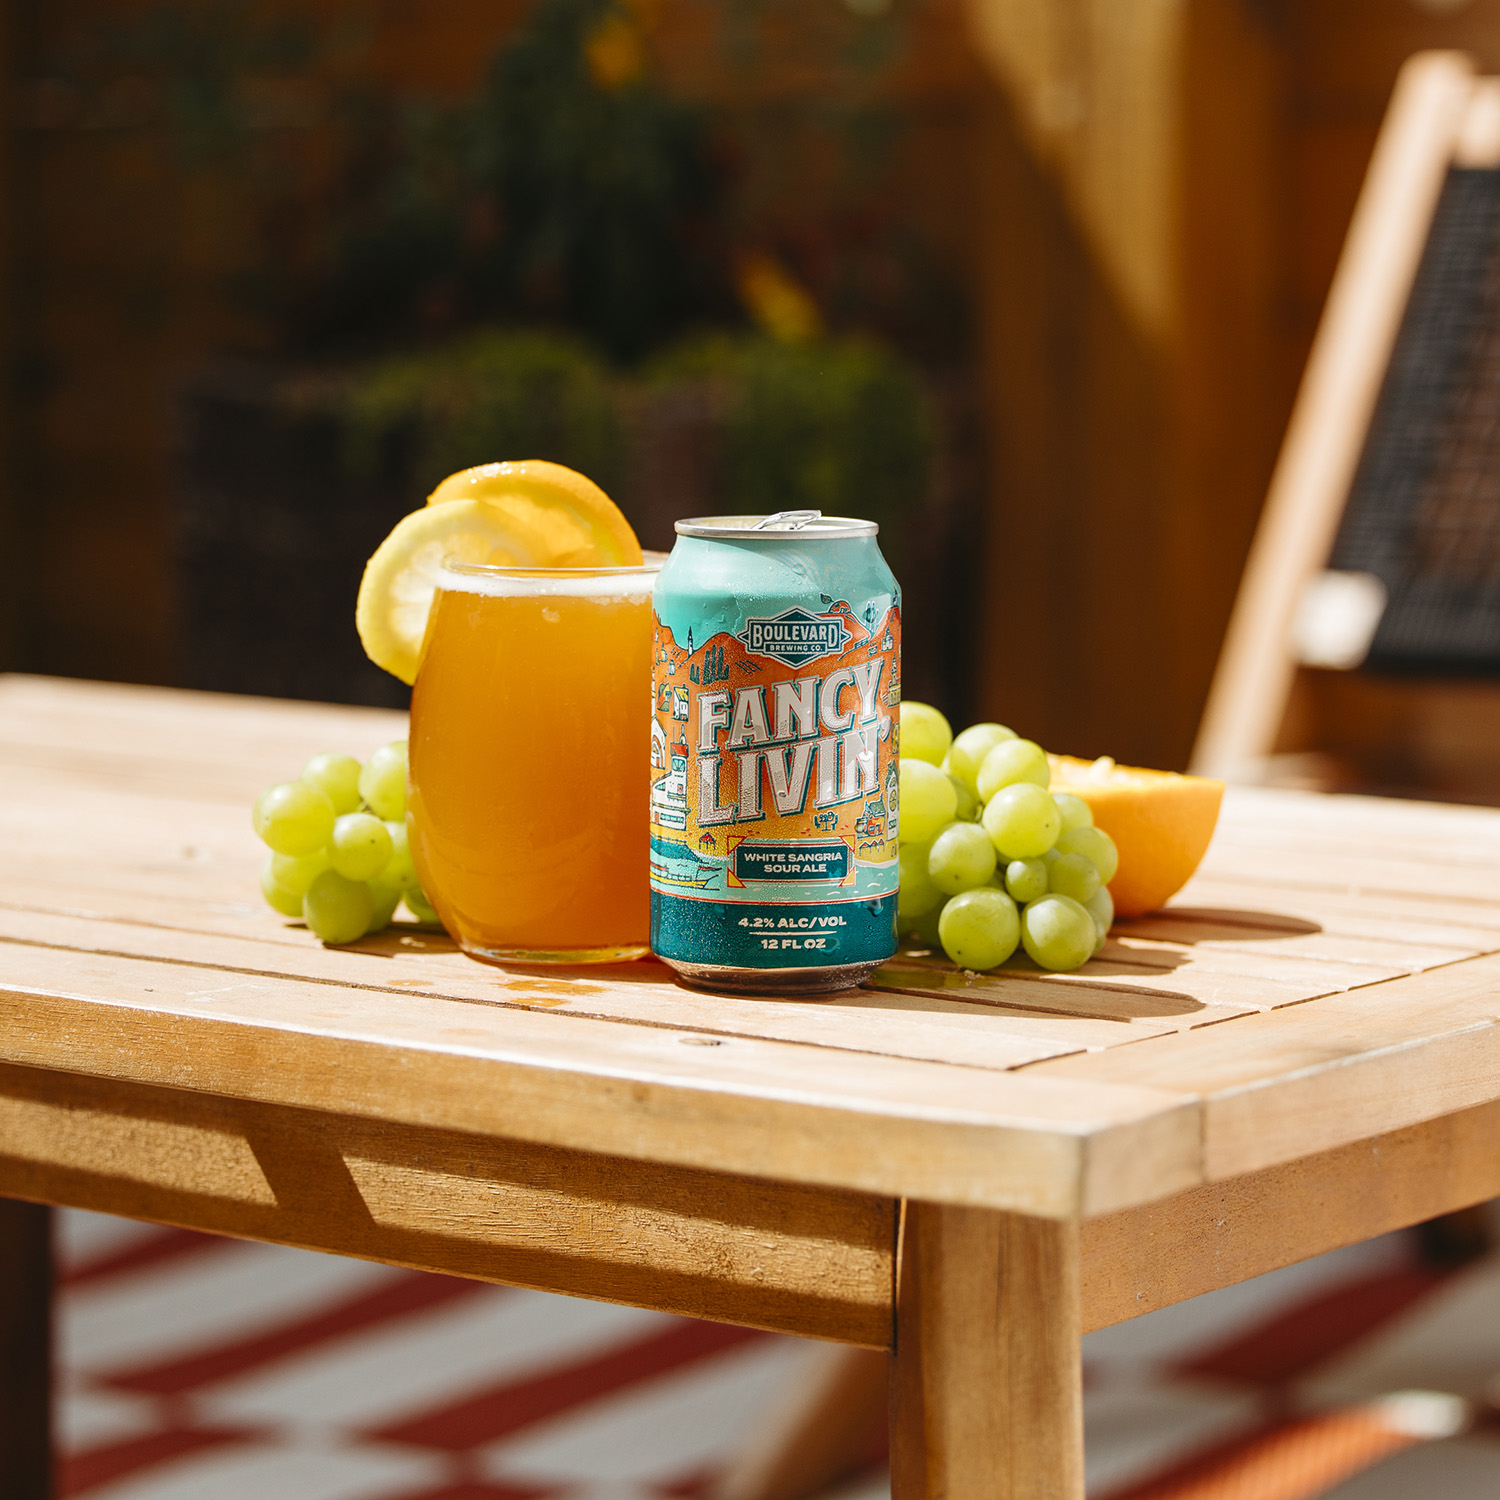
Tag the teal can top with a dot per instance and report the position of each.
(726, 569)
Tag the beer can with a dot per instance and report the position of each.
(776, 675)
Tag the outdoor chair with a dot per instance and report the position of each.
(1368, 619)
(1364, 645)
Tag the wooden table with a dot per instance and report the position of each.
(1302, 1052)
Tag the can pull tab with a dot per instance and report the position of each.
(788, 520)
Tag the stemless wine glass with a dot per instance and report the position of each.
(530, 761)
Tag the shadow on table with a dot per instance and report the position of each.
(1123, 983)
(1217, 924)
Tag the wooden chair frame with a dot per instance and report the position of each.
(1440, 116)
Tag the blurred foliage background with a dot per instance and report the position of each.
(1030, 280)
(656, 256)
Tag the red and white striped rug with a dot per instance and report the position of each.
(195, 1368)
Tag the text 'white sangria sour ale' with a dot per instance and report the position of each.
(776, 677)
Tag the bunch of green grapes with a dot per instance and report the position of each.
(339, 856)
(991, 860)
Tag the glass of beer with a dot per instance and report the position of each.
(531, 761)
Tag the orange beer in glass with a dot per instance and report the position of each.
(531, 761)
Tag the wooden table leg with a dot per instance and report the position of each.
(25, 1351)
(987, 1383)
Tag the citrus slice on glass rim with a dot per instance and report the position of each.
(581, 526)
(525, 530)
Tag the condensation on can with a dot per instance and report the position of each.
(776, 680)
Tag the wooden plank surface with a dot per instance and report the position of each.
(773, 1109)
(1283, 1085)
(1226, 1232)
(800, 1260)
(421, 964)
(1272, 1011)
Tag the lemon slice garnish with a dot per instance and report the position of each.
(531, 514)
(582, 526)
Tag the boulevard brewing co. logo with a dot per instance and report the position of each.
(795, 636)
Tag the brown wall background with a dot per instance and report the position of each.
(1145, 199)
(1131, 441)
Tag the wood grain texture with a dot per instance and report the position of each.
(772, 1109)
(1333, 411)
(1226, 1232)
(801, 1260)
(797, 1260)
(25, 1351)
(1271, 1026)
(646, 993)
(1351, 914)
(1337, 870)
(987, 1382)
(1409, 822)
(1281, 1086)
(199, 747)
(1154, 988)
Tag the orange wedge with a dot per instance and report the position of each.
(578, 525)
(1160, 822)
(521, 515)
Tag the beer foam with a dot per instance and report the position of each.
(628, 587)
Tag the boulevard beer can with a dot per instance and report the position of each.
(776, 675)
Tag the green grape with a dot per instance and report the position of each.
(382, 783)
(1101, 907)
(288, 903)
(925, 734)
(922, 932)
(968, 808)
(1076, 813)
(1073, 875)
(295, 872)
(401, 861)
(337, 910)
(1096, 846)
(1026, 879)
(970, 748)
(917, 893)
(1013, 761)
(360, 847)
(386, 891)
(293, 818)
(979, 929)
(928, 801)
(962, 858)
(420, 907)
(1058, 933)
(338, 776)
(1022, 820)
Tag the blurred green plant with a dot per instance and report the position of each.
(839, 425)
(571, 189)
(494, 394)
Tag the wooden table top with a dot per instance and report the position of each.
(1332, 973)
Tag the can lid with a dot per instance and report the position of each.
(783, 523)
